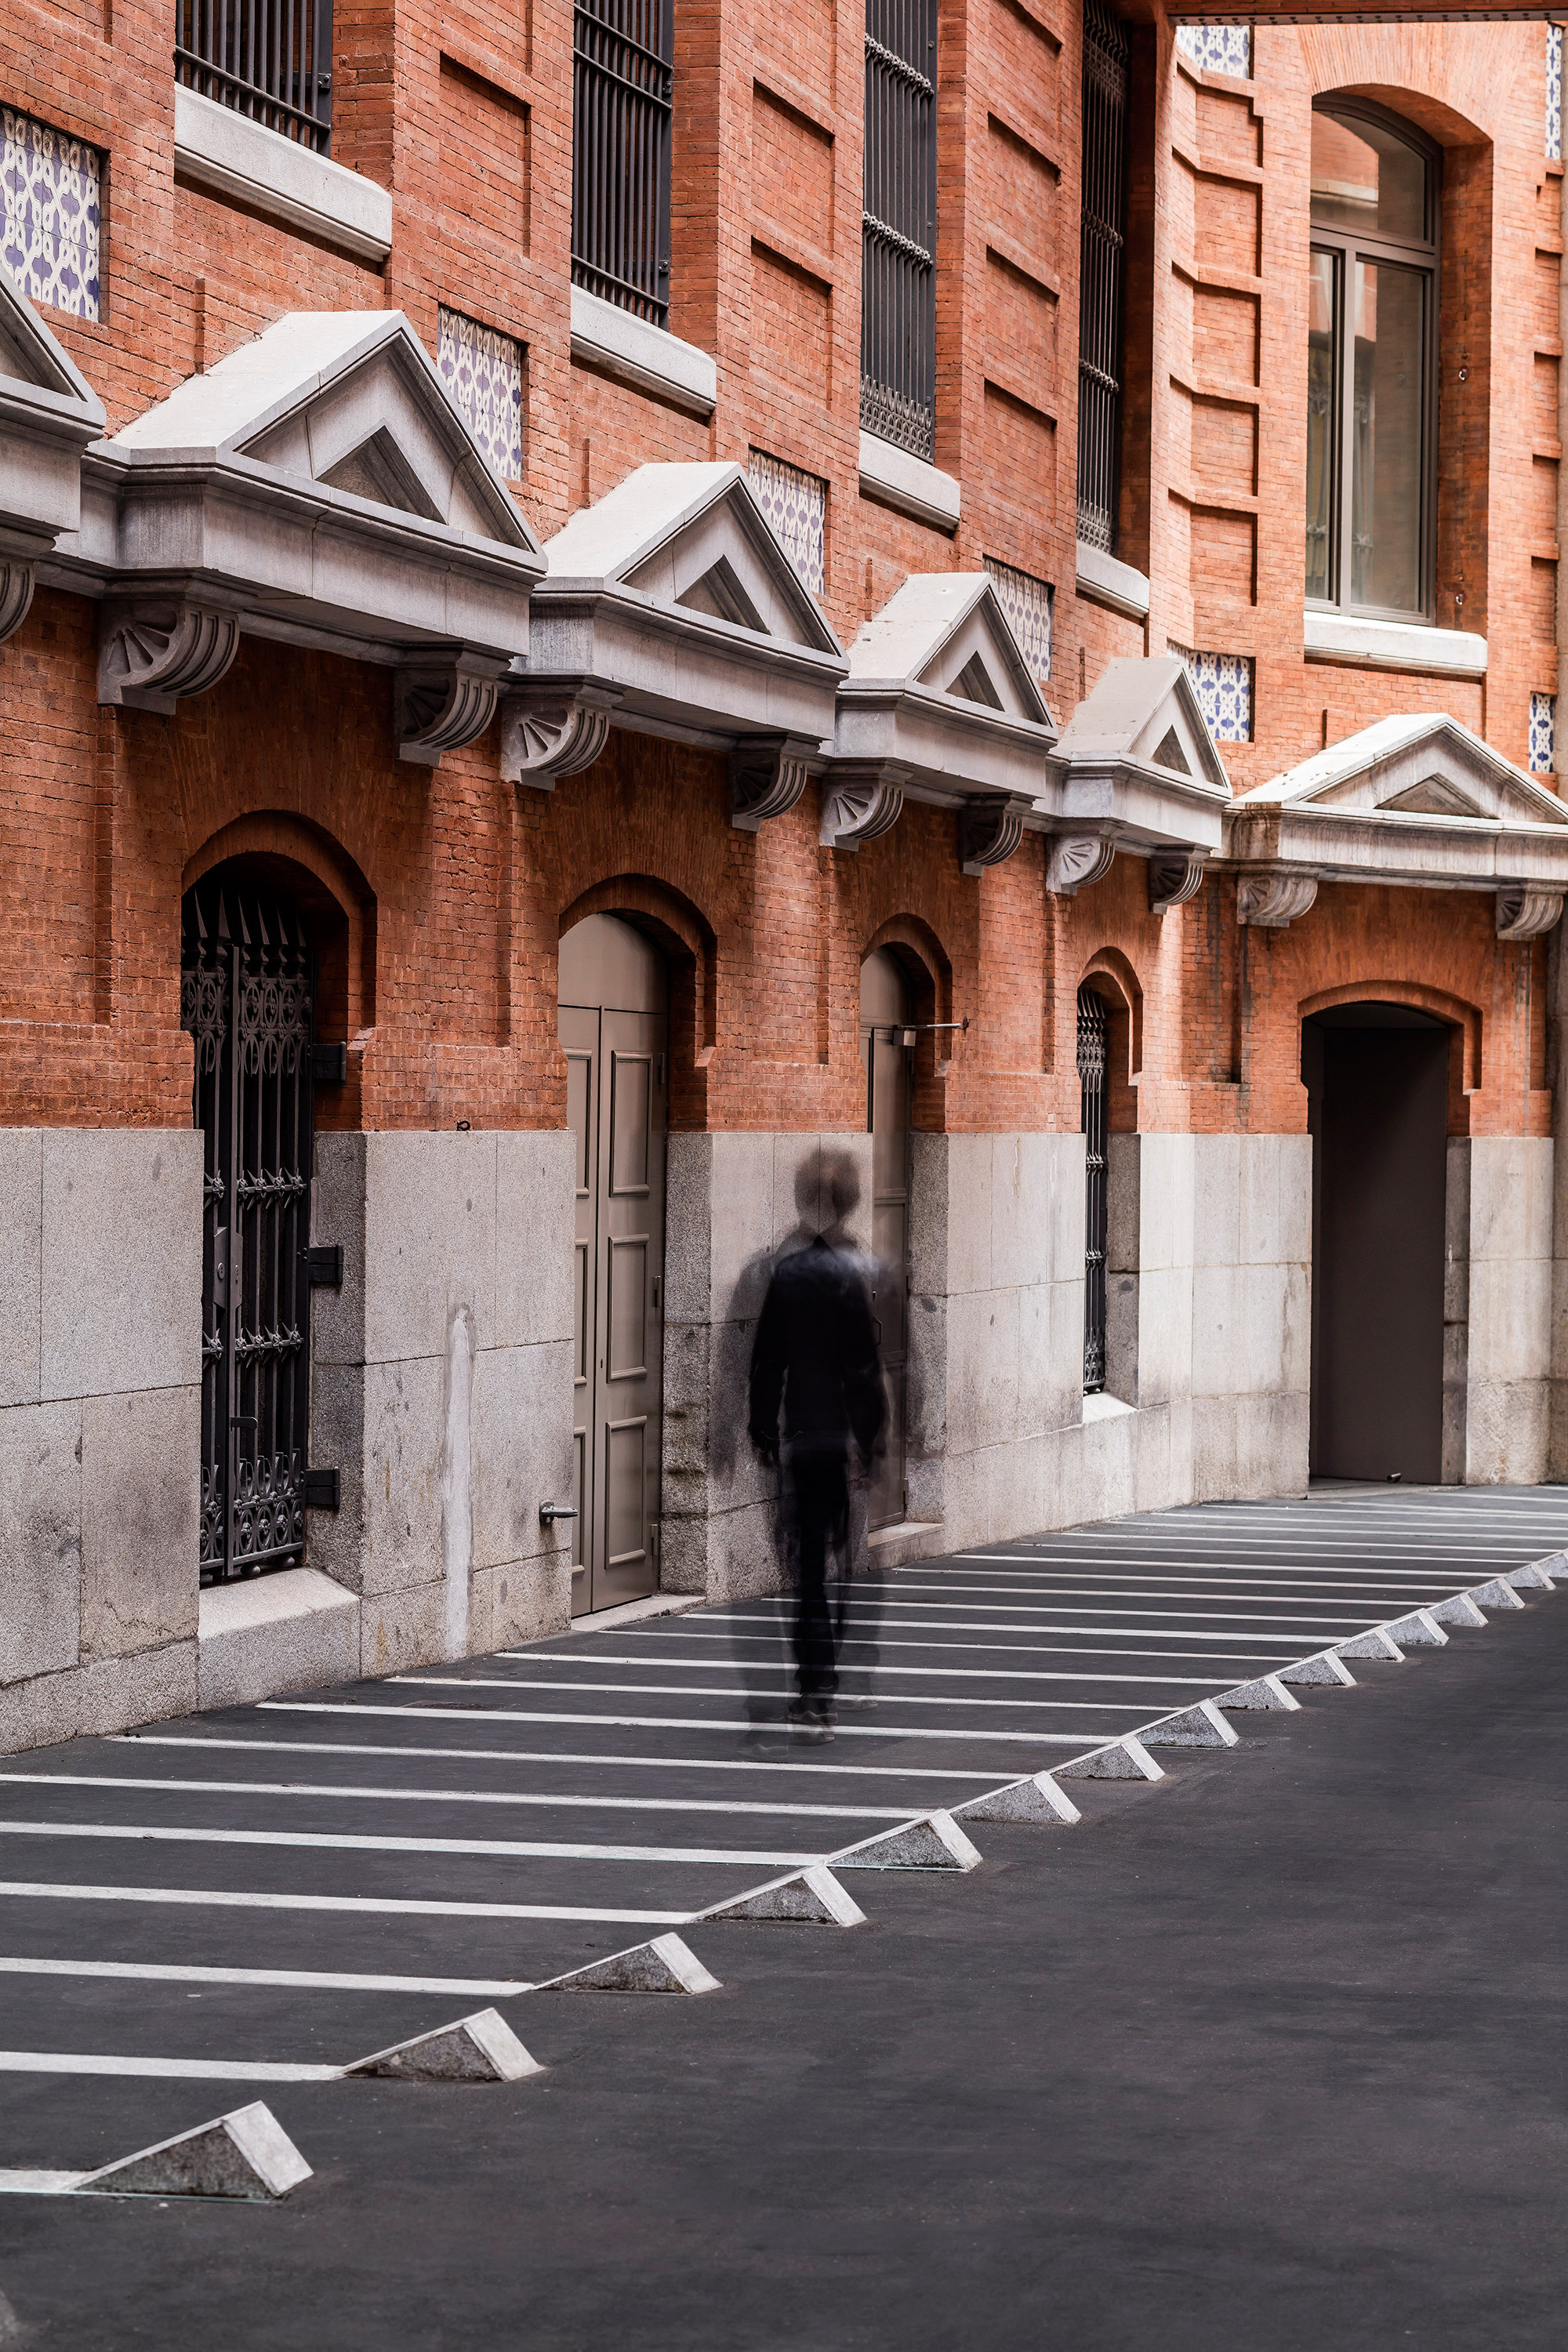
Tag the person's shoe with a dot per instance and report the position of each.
(811, 1718)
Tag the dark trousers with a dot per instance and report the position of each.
(820, 1497)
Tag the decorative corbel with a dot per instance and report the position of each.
(151, 655)
(1077, 859)
(1271, 896)
(862, 801)
(553, 727)
(15, 596)
(768, 774)
(441, 706)
(1524, 911)
(1175, 876)
(989, 827)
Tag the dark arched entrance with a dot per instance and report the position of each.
(1377, 1081)
(247, 997)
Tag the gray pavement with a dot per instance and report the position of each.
(1269, 2051)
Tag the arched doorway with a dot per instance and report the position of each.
(1377, 1081)
(1093, 1075)
(247, 998)
(885, 1014)
(614, 999)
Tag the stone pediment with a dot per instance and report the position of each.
(1146, 714)
(671, 608)
(946, 633)
(49, 415)
(1419, 766)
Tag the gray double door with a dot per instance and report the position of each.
(884, 1016)
(614, 1031)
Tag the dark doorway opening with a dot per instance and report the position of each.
(1377, 1091)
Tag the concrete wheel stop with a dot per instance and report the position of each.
(1498, 1594)
(935, 1841)
(1378, 1643)
(1037, 1799)
(477, 2048)
(665, 1965)
(246, 2154)
(811, 1897)
(1263, 1696)
(1195, 1727)
(1420, 1631)
(1327, 1668)
(1120, 1760)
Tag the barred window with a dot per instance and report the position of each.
(898, 300)
(623, 95)
(1102, 269)
(271, 60)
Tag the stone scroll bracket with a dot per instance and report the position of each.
(1175, 876)
(1075, 860)
(153, 655)
(768, 774)
(441, 705)
(15, 595)
(553, 727)
(1270, 898)
(989, 827)
(862, 801)
(1523, 911)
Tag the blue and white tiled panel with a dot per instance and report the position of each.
(1554, 94)
(1223, 683)
(1028, 604)
(795, 503)
(54, 202)
(1542, 734)
(482, 370)
(1217, 48)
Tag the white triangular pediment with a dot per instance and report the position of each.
(31, 355)
(692, 538)
(350, 401)
(1146, 712)
(1414, 766)
(946, 633)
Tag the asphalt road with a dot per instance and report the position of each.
(1270, 2054)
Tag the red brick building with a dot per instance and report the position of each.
(597, 601)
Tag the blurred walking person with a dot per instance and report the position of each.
(816, 1388)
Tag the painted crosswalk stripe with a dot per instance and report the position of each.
(204, 2070)
(832, 1768)
(289, 1980)
(447, 1796)
(222, 1900)
(724, 1666)
(1082, 1739)
(483, 1849)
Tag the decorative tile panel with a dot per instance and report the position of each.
(1027, 603)
(1554, 94)
(795, 503)
(53, 188)
(1542, 734)
(1217, 48)
(1224, 685)
(482, 370)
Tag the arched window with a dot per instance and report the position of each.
(1371, 363)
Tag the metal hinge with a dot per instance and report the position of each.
(329, 1064)
(321, 1490)
(324, 1266)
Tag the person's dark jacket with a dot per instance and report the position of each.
(816, 1356)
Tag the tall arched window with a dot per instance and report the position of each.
(1370, 363)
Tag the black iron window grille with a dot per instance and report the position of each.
(1102, 270)
(245, 984)
(271, 60)
(898, 291)
(1093, 1041)
(623, 94)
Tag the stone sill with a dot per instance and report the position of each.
(1392, 645)
(1115, 585)
(227, 153)
(641, 355)
(1102, 1406)
(896, 480)
(290, 1631)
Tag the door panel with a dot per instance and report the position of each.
(580, 1036)
(883, 1013)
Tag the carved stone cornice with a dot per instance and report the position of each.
(1524, 911)
(1075, 860)
(1268, 898)
(153, 654)
(553, 727)
(989, 827)
(441, 706)
(862, 801)
(768, 774)
(1175, 876)
(15, 596)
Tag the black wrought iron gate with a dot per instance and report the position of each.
(246, 985)
(1092, 1057)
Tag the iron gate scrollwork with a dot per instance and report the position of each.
(1093, 1056)
(247, 982)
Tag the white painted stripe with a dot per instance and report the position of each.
(901, 1698)
(205, 2070)
(292, 1979)
(207, 1898)
(1230, 1643)
(924, 1772)
(701, 1723)
(445, 1796)
(486, 1849)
